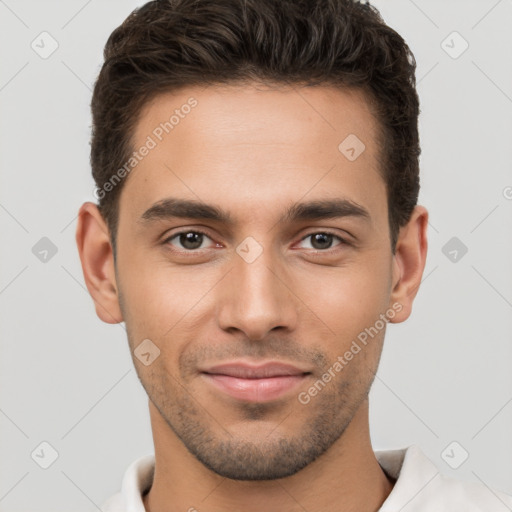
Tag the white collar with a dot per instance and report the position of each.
(419, 487)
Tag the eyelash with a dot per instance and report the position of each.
(314, 251)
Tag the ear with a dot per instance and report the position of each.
(409, 263)
(97, 258)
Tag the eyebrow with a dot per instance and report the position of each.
(312, 210)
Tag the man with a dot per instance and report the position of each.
(256, 164)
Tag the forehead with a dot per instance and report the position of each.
(251, 146)
(226, 115)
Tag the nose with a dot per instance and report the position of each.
(256, 297)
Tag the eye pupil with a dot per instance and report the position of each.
(191, 240)
(324, 240)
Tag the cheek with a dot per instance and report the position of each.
(351, 303)
(159, 299)
(353, 290)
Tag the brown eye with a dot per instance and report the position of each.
(321, 241)
(188, 240)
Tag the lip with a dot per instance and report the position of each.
(255, 383)
(246, 370)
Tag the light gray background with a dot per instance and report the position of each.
(68, 379)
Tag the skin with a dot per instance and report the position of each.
(254, 151)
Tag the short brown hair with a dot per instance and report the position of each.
(169, 44)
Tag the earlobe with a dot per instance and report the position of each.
(96, 256)
(409, 262)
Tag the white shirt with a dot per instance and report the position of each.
(419, 487)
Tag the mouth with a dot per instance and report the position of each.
(251, 383)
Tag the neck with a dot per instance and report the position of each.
(346, 478)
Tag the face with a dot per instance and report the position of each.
(231, 262)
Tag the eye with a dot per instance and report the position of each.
(189, 240)
(193, 240)
(322, 240)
